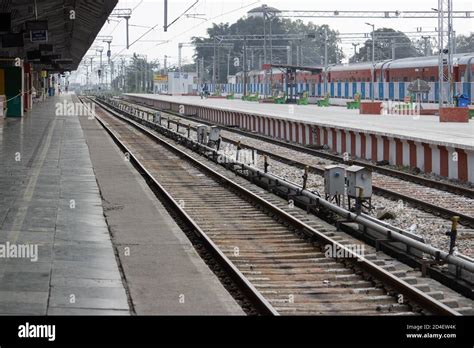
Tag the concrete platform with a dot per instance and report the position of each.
(425, 128)
(49, 200)
(164, 273)
(446, 149)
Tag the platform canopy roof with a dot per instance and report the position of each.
(69, 34)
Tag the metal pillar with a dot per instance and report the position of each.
(264, 34)
(180, 48)
(214, 63)
(198, 69)
(355, 50)
(252, 59)
(271, 41)
(244, 68)
(203, 75)
(165, 26)
(128, 34)
(445, 59)
(298, 55)
(228, 65)
(373, 62)
(325, 61)
(426, 47)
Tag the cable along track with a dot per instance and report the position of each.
(264, 242)
(433, 196)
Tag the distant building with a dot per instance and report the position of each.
(175, 84)
(232, 79)
(258, 12)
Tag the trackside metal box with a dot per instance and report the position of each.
(214, 134)
(157, 117)
(334, 180)
(201, 131)
(358, 177)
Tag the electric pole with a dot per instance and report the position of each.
(245, 65)
(228, 65)
(427, 45)
(445, 51)
(325, 61)
(214, 63)
(355, 50)
(373, 61)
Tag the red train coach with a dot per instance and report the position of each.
(403, 70)
(399, 70)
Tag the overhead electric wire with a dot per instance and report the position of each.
(210, 19)
(194, 27)
(153, 28)
(189, 8)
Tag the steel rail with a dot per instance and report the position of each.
(429, 207)
(361, 219)
(401, 286)
(444, 186)
(260, 303)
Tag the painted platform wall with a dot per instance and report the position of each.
(453, 162)
(395, 91)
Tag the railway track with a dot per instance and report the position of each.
(278, 259)
(435, 197)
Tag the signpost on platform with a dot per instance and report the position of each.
(39, 36)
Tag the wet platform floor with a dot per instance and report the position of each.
(51, 214)
(65, 189)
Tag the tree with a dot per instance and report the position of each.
(388, 42)
(309, 51)
(465, 44)
(138, 75)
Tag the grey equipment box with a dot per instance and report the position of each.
(359, 177)
(157, 117)
(334, 180)
(202, 134)
(214, 134)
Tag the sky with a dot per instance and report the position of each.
(157, 43)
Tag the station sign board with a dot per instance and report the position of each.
(39, 36)
(160, 78)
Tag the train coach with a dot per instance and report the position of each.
(403, 70)
(398, 70)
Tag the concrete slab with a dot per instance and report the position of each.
(423, 128)
(165, 275)
(50, 200)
